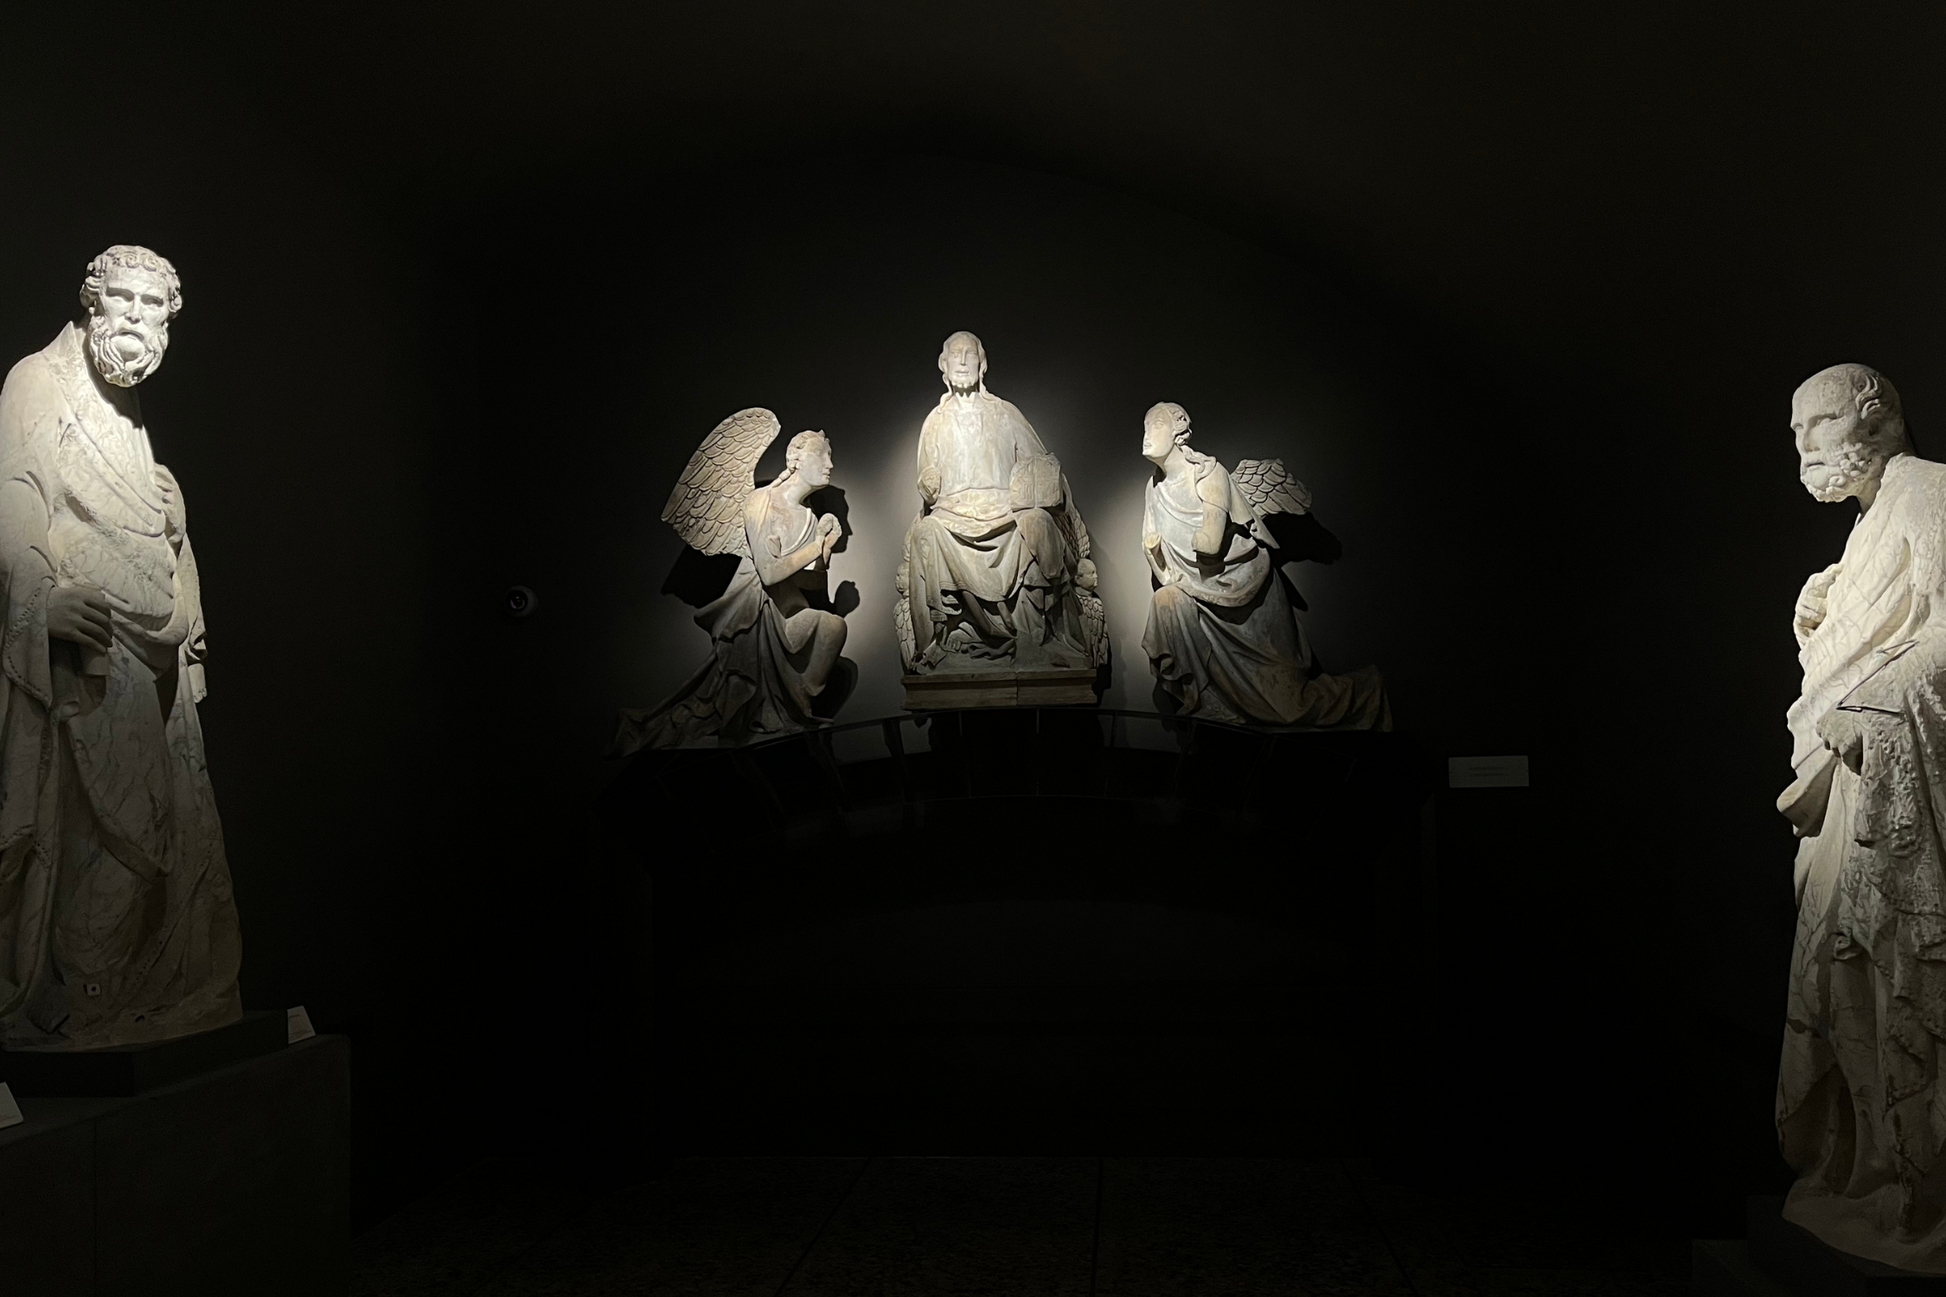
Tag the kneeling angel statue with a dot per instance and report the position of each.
(1221, 636)
(771, 651)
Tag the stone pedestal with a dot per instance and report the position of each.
(947, 690)
(1780, 1259)
(122, 1070)
(998, 928)
(235, 1181)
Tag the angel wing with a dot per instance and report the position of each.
(1267, 484)
(706, 508)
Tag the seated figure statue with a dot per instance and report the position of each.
(1221, 636)
(1861, 1091)
(997, 574)
(117, 921)
(771, 651)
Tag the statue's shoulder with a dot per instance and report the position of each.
(1921, 489)
(1007, 409)
(32, 377)
(934, 417)
(1211, 481)
(32, 402)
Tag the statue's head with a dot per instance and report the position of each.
(1848, 423)
(963, 363)
(1164, 427)
(809, 456)
(130, 294)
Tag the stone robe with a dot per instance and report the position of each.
(117, 922)
(751, 686)
(975, 556)
(1221, 637)
(1861, 1112)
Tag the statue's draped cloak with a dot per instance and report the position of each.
(970, 539)
(1860, 1108)
(1220, 637)
(749, 687)
(973, 552)
(117, 922)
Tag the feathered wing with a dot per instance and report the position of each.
(1268, 485)
(706, 508)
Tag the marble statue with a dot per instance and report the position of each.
(997, 574)
(1861, 1108)
(771, 651)
(1221, 636)
(117, 923)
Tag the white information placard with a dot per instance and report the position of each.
(299, 1025)
(1486, 772)
(9, 1110)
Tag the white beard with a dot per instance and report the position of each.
(108, 361)
(1854, 464)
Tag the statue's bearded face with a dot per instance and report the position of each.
(962, 364)
(1836, 453)
(129, 329)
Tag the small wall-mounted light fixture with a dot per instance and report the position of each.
(519, 601)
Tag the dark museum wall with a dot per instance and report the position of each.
(1521, 292)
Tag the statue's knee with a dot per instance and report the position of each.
(1036, 525)
(1043, 538)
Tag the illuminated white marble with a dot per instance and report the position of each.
(1859, 1106)
(771, 651)
(997, 575)
(117, 923)
(1221, 636)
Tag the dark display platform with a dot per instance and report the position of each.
(1781, 1259)
(1010, 928)
(237, 1181)
(124, 1070)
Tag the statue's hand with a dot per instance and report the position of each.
(79, 614)
(1811, 603)
(929, 485)
(829, 530)
(1844, 733)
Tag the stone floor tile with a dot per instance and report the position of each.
(1238, 1226)
(956, 1227)
(715, 1227)
(452, 1241)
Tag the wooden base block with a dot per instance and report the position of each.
(946, 690)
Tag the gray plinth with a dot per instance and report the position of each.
(123, 1070)
(236, 1181)
(1781, 1259)
(944, 690)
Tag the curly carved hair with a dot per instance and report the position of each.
(129, 256)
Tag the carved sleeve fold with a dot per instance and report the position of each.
(29, 427)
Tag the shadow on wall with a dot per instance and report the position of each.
(829, 307)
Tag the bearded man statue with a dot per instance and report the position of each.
(1861, 1111)
(998, 574)
(117, 923)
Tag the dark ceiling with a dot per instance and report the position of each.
(1626, 181)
